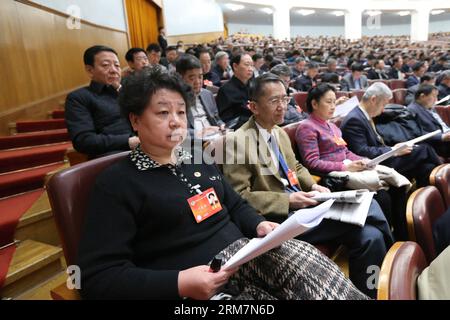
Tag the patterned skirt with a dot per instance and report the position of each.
(296, 270)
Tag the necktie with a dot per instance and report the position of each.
(380, 138)
(282, 164)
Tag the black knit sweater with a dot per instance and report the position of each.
(139, 230)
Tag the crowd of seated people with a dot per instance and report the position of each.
(160, 105)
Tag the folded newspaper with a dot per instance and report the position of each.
(350, 206)
(351, 196)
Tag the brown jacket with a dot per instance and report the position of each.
(258, 181)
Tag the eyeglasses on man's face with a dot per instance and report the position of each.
(276, 101)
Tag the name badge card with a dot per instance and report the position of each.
(204, 205)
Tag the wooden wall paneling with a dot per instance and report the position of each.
(41, 59)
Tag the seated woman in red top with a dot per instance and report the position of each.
(323, 150)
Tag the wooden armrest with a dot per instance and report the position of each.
(61, 292)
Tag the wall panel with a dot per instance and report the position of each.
(40, 58)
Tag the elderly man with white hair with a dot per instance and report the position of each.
(359, 131)
(222, 68)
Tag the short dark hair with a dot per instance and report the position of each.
(153, 47)
(90, 53)
(316, 94)
(357, 67)
(258, 84)
(129, 56)
(396, 59)
(425, 89)
(187, 62)
(237, 59)
(138, 89)
(171, 48)
(427, 77)
(256, 57)
(312, 65)
(417, 66)
(202, 51)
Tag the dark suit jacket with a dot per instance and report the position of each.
(212, 114)
(393, 73)
(412, 81)
(426, 121)
(360, 136)
(95, 124)
(374, 75)
(232, 101)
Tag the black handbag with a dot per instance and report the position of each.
(335, 184)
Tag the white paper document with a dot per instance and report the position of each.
(422, 138)
(354, 213)
(343, 109)
(443, 100)
(350, 196)
(386, 155)
(301, 221)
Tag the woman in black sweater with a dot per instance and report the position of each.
(141, 239)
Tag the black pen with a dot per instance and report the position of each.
(216, 264)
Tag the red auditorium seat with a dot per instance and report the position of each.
(358, 93)
(68, 193)
(440, 178)
(401, 267)
(397, 84)
(386, 82)
(300, 99)
(424, 207)
(342, 94)
(444, 112)
(399, 96)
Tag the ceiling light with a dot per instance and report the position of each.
(306, 12)
(435, 12)
(403, 13)
(267, 10)
(338, 13)
(373, 13)
(234, 7)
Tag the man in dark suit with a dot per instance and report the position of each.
(162, 41)
(232, 99)
(355, 80)
(95, 124)
(429, 120)
(359, 131)
(308, 80)
(377, 72)
(203, 116)
(418, 71)
(428, 78)
(444, 85)
(396, 69)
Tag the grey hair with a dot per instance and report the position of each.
(331, 60)
(219, 55)
(379, 90)
(281, 70)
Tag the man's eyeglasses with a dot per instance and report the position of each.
(274, 102)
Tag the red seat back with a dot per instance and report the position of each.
(68, 192)
(424, 207)
(401, 267)
(300, 99)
